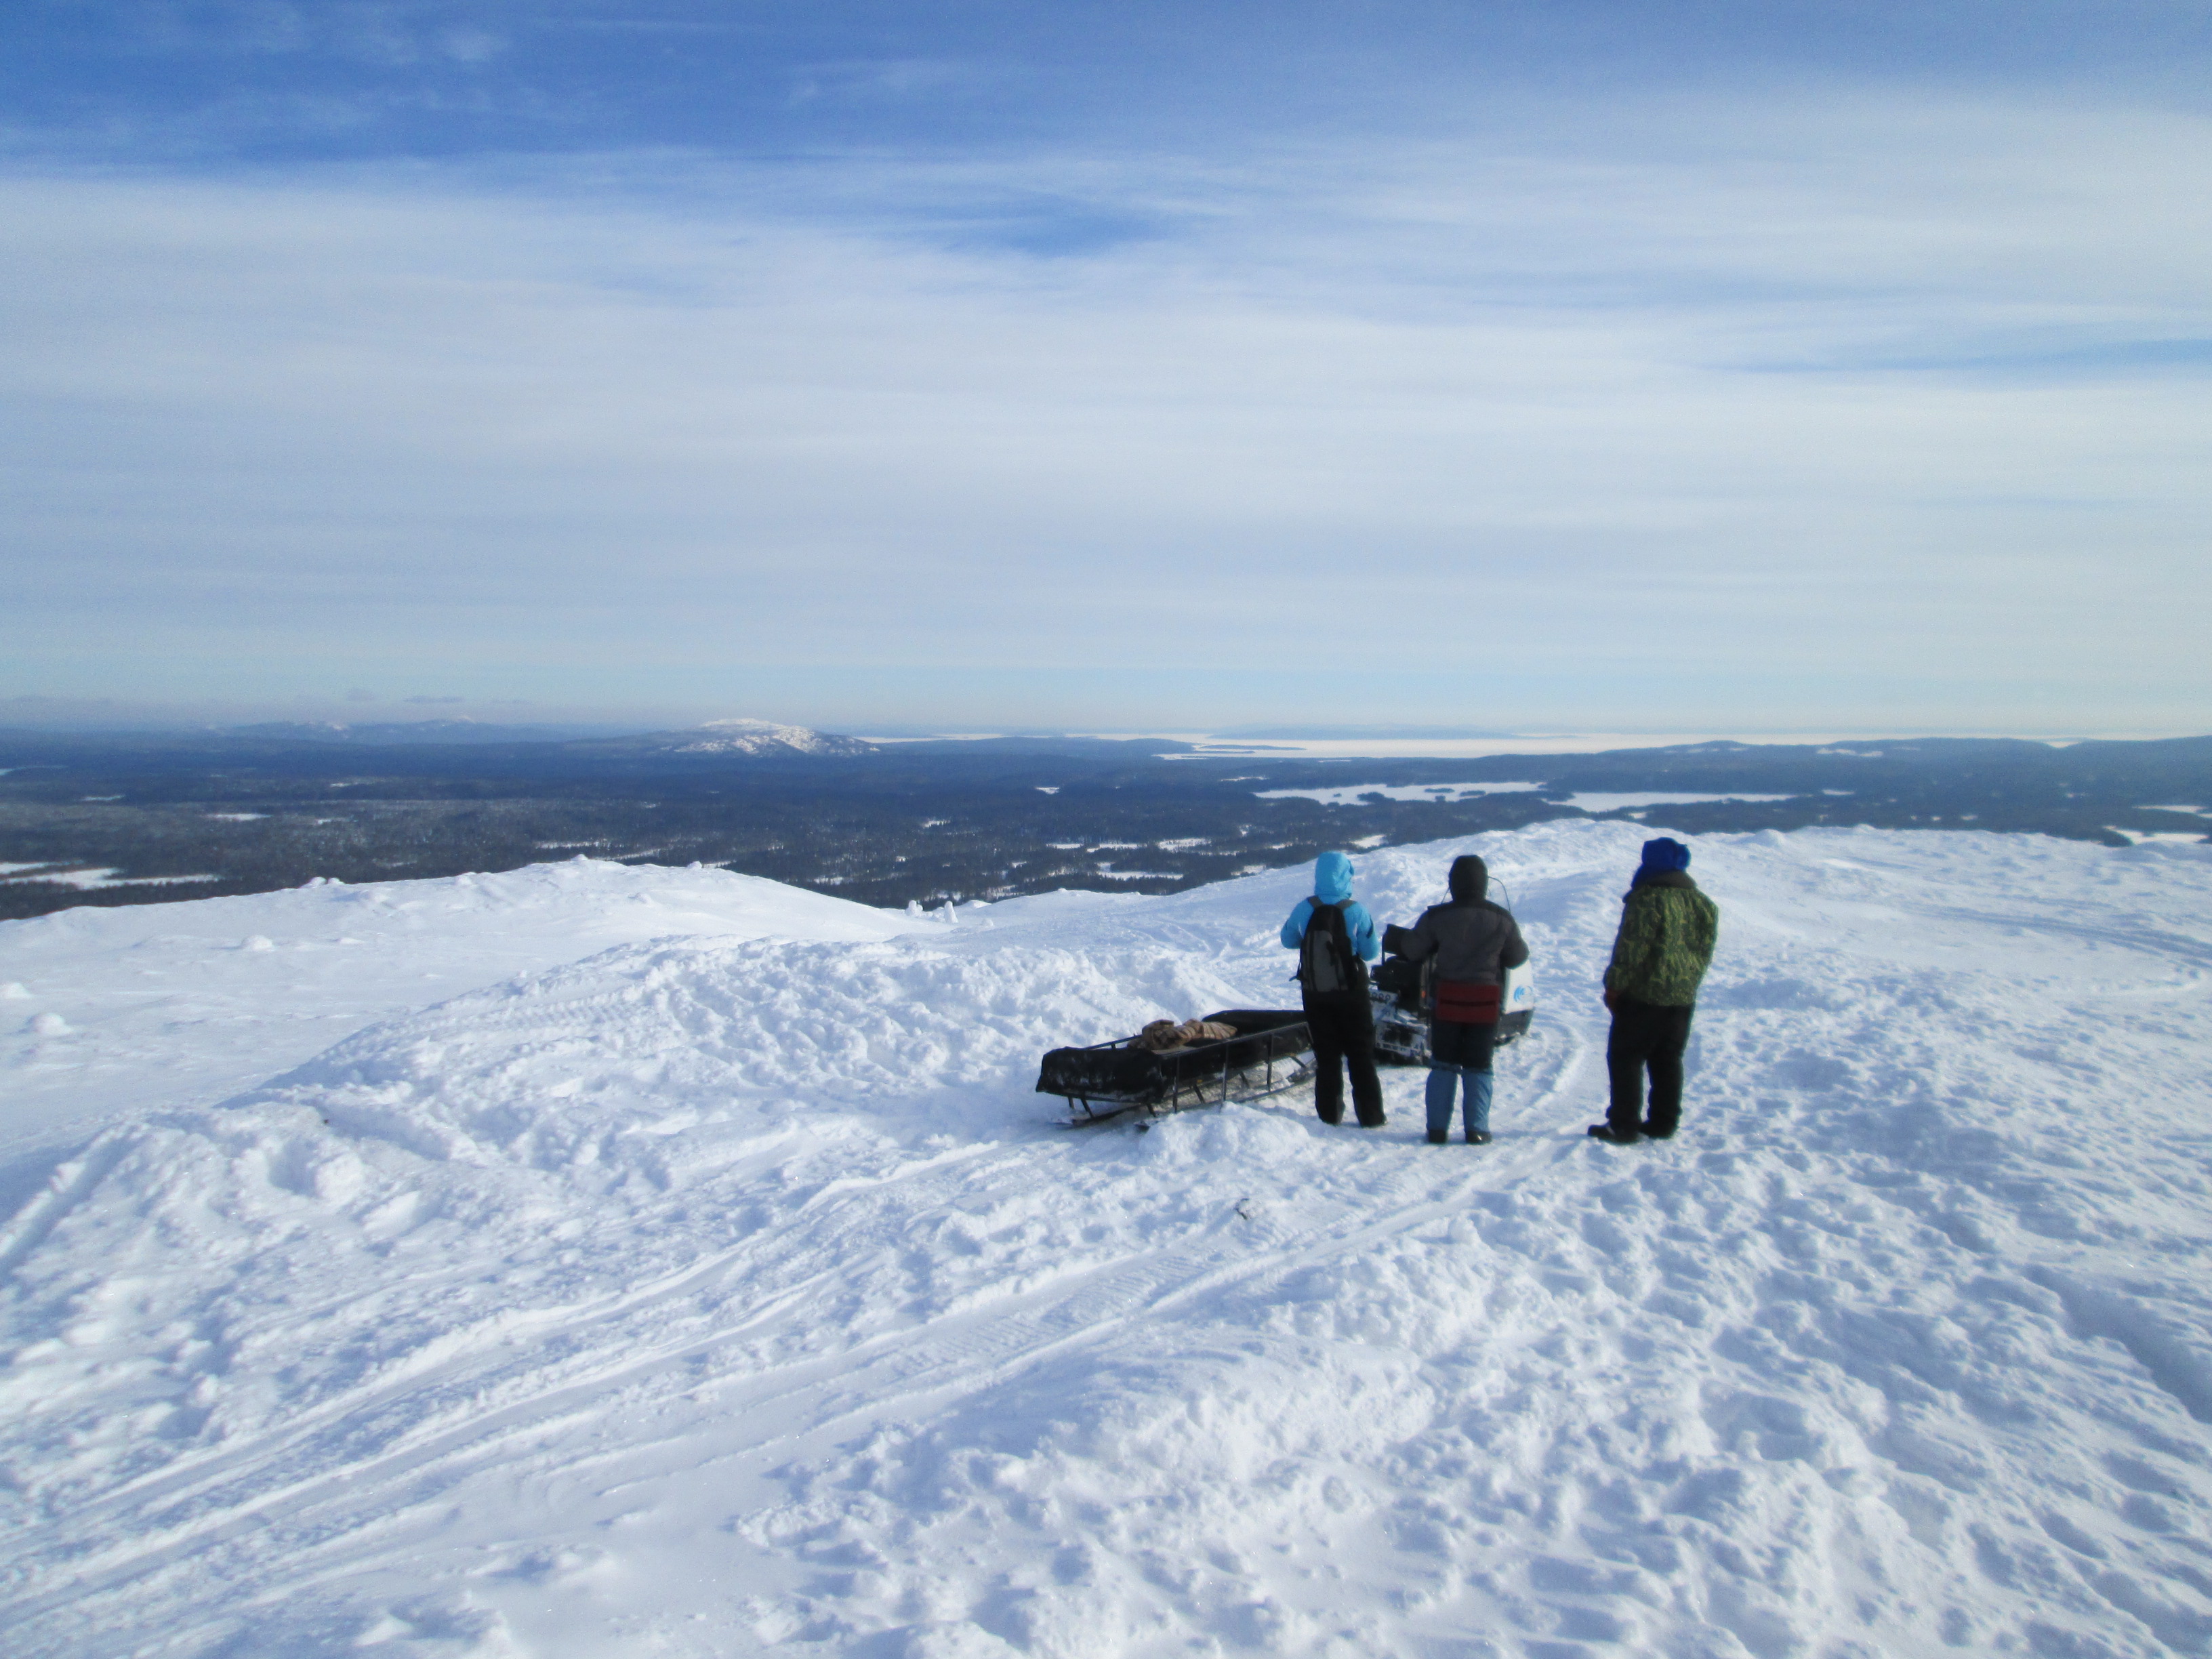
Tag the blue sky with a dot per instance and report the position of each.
(1655, 366)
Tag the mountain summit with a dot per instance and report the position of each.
(757, 738)
(666, 1224)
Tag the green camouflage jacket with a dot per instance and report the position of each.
(1668, 930)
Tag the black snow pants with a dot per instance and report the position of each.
(1343, 1029)
(1646, 1036)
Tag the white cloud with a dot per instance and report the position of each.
(1615, 406)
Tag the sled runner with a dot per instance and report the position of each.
(1268, 1055)
(1402, 994)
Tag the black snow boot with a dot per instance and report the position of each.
(1606, 1132)
(1438, 1137)
(1478, 1137)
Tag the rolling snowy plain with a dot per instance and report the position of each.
(606, 1260)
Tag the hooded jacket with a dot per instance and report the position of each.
(1474, 940)
(1333, 885)
(1668, 931)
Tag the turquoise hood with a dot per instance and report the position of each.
(1333, 877)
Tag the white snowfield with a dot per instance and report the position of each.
(734, 1294)
(169, 1004)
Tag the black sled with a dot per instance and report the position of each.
(1269, 1054)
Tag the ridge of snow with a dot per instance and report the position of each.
(185, 1004)
(712, 1294)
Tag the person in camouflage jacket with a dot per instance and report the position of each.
(1668, 931)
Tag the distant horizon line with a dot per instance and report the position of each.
(1317, 739)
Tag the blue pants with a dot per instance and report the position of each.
(1458, 1056)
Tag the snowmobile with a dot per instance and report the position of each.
(1403, 992)
(1270, 1052)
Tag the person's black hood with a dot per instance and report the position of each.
(1470, 879)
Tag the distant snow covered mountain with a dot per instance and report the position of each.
(760, 739)
(767, 737)
(597, 1260)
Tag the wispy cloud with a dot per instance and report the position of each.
(385, 34)
(1694, 403)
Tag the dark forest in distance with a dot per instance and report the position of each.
(930, 822)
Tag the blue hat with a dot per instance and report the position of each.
(1333, 877)
(1665, 853)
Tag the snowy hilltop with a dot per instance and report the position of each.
(603, 1260)
(732, 739)
(757, 738)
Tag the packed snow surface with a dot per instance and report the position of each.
(171, 1004)
(726, 1290)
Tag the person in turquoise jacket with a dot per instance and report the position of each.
(1338, 1013)
(1333, 885)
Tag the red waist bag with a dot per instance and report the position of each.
(1462, 1002)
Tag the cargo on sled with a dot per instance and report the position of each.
(1268, 1052)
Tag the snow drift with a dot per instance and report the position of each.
(730, 1293)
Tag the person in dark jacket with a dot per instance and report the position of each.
(1339, 1016)
(1668, 931)
(1474, 941)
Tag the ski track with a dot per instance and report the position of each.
(734, 1295)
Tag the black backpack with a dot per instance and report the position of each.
(1326, 965)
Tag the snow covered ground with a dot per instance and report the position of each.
(106, 1011)
(704, 1278)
